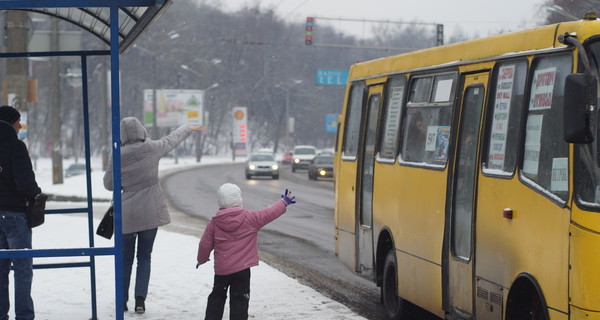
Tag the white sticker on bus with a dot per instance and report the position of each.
(533, 137)
(443, 90)
(501, 116)
(560, 175)
(431, 138)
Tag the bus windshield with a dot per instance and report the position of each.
(587, 165)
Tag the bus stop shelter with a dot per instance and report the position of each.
(118, 23)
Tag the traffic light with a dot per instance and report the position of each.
(308, 37)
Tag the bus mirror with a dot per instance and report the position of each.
(579, 99)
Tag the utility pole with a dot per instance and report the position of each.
(17, 35)
(55, 103)
(105, 114)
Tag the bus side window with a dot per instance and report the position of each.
(504, 117)
(352, 121)
(545, 155)
(392, 112)
(426, 127)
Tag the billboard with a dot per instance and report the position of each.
(174, 107)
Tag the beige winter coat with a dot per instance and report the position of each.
(143, 203)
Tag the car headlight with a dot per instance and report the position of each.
(251, 167)
(275, 167)
(322, 172)
(296, 160)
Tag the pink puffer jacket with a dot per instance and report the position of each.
(233, 234)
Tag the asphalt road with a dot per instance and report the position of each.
(300, 243)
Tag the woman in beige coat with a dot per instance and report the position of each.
(143, 203)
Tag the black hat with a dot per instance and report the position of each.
(9, 114)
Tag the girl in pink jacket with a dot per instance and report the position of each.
(232, 233)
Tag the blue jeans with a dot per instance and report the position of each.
(145, 242)
(16, 234)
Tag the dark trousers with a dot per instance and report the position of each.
(239, 284)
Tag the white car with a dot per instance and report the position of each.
(262, 164)
(303, 155)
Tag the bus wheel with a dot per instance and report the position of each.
(392, 303)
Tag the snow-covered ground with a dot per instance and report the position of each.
(177, 289)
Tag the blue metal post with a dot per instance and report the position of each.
(90, 207)
(116, 152)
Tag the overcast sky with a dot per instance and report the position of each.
(475, 17)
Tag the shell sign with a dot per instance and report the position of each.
(240, 130)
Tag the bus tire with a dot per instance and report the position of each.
(392, 303)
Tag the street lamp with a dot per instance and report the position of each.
(286, 89)
(201, 137)
(170, 36)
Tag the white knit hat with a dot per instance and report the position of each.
(229, 196)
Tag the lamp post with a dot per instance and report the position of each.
(200, 138)
(170, 36)
(286, 89)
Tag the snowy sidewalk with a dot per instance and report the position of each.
(177, 290)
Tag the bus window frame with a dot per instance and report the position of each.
(488, 119)
(451, 103)
(584, 204)
(344, 156)
(383, 116)
(534, 185)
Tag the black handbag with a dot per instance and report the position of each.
(106, 227)
(35, 210)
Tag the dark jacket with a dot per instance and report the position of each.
(17, 180)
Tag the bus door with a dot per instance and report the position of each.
(366, 164)
(462, 194)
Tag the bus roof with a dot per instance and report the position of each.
(514, 43)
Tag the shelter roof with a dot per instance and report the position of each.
(94, 15)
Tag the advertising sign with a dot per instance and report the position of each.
(174, 107)
(240, 130)
(331, 122)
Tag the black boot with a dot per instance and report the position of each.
(125, 306)
(140, 307)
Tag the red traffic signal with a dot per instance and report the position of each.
(308, 36)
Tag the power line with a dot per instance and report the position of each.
(376, 21)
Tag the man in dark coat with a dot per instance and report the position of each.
(17, 185)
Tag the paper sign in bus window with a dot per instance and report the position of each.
(560, 175)
(440, 155)
(533, 144)
(392, 122)
(431, 138)
(504, 87)
(443, 90)
(542, 88)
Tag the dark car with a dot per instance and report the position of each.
(321, 167)
(75, 169)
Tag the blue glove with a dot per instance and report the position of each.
(288, 198)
